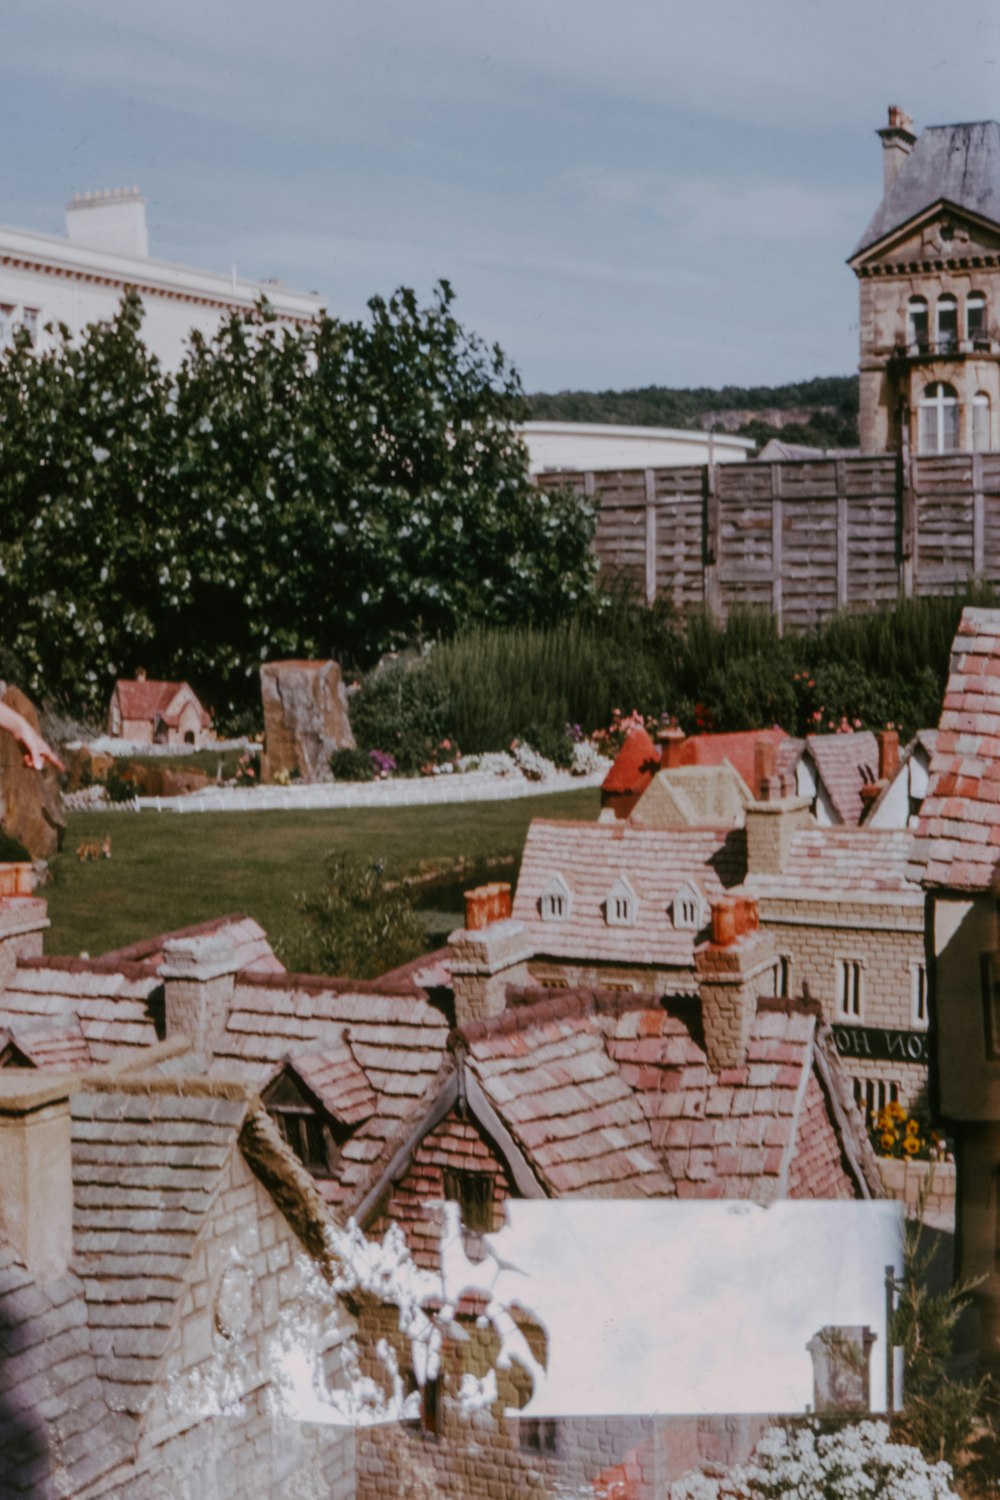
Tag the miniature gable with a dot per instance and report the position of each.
(556, 900)
(689, 907)
(621, 906)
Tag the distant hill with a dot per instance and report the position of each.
(823, 411)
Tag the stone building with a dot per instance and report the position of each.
(158, 713)
(928, 267)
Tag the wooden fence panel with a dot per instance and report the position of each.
(946, 529)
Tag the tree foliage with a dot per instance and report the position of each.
(357, 923)
(333, 489)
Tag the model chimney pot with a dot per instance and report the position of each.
(765, 768)
(671, 741)
(888, 753)
(733, 971)
(486, 904)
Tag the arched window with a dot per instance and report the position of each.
(947, 324)
(975, 316)
(916, 322)
(939, 419)
(980, 422)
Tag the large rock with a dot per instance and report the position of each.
(30, 804)
(305, 718)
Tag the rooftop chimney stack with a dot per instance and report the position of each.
(897, 142)
(771, 825)
(36, 1169)
(113, 219)
(733, 969)
(888, 753)
(199, 977)
(671, 741)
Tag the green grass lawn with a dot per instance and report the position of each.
(168, 870)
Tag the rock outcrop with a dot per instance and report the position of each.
(305, 718)
(30, 804)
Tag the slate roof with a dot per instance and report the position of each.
(657, 862)
(845, 763)
(842, 863)
(146, 699)
(56, 1431)
(957, 163)
(333, 1076)
(693, 796)
(113, 1001)
(248, 940)
(613, 1096)
(145, 1169)
(958, 833)
(397, 1039)
(48, 1045)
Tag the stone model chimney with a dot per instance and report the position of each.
(897, 143)
(113, 219)
(841, 1359)
(735, 967)
(36, 1169)
(771, 825)
(199, 976)
(888, 753)
(671, 740)
(484, 961)
(23, 919)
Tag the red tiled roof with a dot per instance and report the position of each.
(843, 862)
(144, 699)
(333, 1076)
(634, 766)
(845, 763)
(958, 832)
(609, 1097)
(589, 857)
(738, 749)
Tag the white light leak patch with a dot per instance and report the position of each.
(681, 1307)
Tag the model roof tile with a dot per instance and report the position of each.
(48, 1045)
(958, 831)
(845, 763)
(657, 862)
(842, 862)
(145, 699)
(113, 1006)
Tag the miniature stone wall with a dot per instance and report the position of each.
(907, 1180)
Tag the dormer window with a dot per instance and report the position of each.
(556, 900)
(916, 322)
(622, 905)
(303, 1126)
(689, 908)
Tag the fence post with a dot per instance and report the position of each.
(978, 518)
(840, 472)
(710, 556)
(650, 536)
(777, 540)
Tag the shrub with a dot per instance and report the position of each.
(554, 744)
(358, 923)
(12, 851)
(120, 783)
(401, 710)
(352, 765)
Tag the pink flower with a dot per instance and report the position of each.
(446, 744)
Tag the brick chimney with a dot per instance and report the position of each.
(484, 962)
(898, 141)
(671, 740)
(23, 919)
(888, 753)
(36, 1176)
(487, 904)
(771, 826)
(841, 1359)
(766, 786)
(199, 975)
(735, 967)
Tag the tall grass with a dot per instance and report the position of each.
(876, 667)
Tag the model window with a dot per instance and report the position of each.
(783, 978)
(555, 901)
(473, 1192)
(620, 905)
(939, 419)
(975, 316)
(873, 1094)
(919, 994)
(990, 974)
(947, 324)
(916, 322)
(980, 422)
(849, 996)
(8, 323)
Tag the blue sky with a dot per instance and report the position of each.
(622, 192)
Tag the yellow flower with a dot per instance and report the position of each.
(896, 1111)
(888, 1140)
(912, 1126)
(912, 1145)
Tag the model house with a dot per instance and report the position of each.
(158, 713)
(928, 268)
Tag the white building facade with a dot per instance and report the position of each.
(580, 446)
(81, 279)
